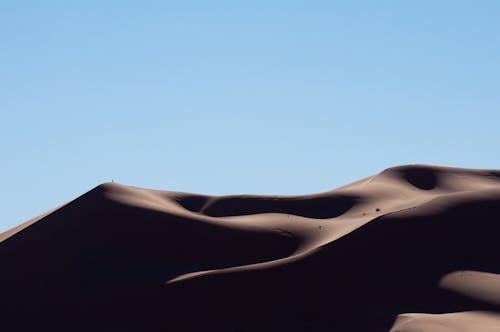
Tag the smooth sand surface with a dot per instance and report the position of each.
(413, 248)
(454, 322)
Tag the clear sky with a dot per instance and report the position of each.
(227, 97)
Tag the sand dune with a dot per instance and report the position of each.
(411, 248)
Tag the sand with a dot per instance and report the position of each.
(412, 248)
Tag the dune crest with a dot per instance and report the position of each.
(133, 259)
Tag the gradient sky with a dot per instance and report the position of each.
(227, 97)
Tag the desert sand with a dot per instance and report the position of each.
(412, 248)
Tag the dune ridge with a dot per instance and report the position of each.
(383, 248)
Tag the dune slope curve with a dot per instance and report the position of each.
(121, 258)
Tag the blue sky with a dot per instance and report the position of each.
(226, 97)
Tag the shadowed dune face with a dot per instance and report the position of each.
(388, 251)
(425, 178)
(194, 203)
(318, 207)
